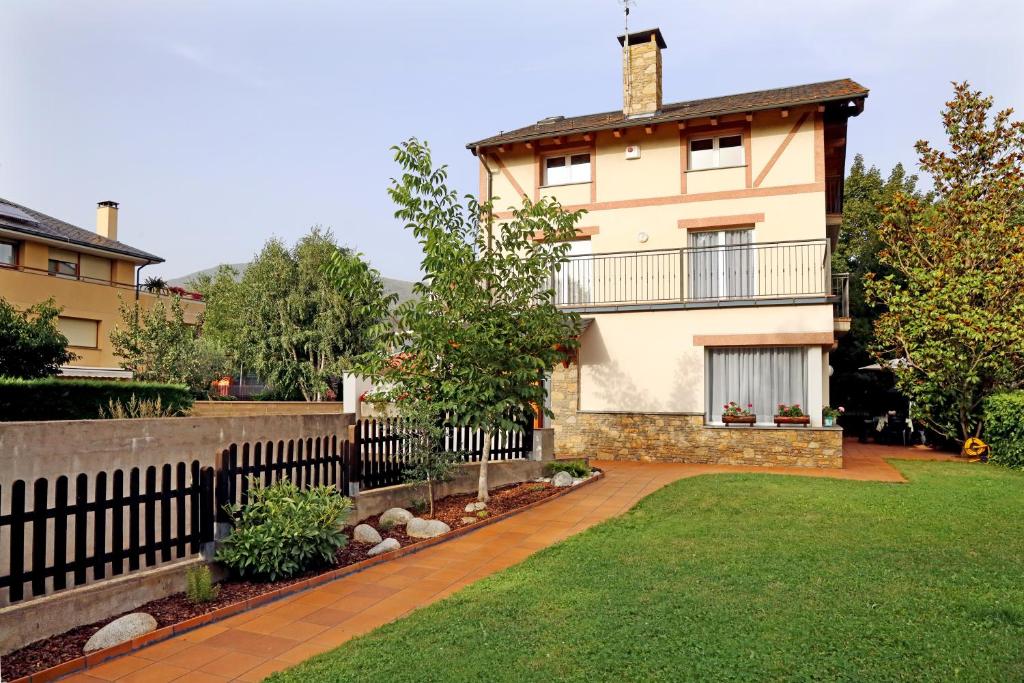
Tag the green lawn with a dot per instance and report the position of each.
(740, 578)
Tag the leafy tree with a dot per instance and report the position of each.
(30, 344)
(954, 301)
(423, 434)
(287, 321)
(865, 198)
(483, 330)
(157, 345)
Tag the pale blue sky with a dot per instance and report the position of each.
(219, 124)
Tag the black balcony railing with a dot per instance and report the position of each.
(841, 295)
(697, 275)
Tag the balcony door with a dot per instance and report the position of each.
(721, 264)
(576, 278)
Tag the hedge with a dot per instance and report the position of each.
(1004, 428)
(79, 399)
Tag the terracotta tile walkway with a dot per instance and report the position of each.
(250, 646)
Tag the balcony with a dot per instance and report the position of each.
(841, 302)
(768, 273)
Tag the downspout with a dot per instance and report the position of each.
(490, 195)
(138, 276)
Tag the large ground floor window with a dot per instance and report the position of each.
(764, 377)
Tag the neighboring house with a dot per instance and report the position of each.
(702, 266)
(87, 274)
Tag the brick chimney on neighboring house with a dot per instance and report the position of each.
(106, 220)
(641, 72)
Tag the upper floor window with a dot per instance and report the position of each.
(720, 152)
(8, 253)
(567, 169)
(63, 263)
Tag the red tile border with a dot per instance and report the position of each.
(94, 658)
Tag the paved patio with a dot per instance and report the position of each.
(250, 646)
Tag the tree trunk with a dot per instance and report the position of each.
(482, 494)
(430, 496)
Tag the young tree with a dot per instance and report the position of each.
(30, 344)
(483, 330)
(866, 195)
(954, 300)
(423, 434)
(158, 345)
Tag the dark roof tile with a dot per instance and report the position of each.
(42, 225)
(792, 96)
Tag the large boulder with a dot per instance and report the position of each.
(426, 528)
(121, 630)
(385, 546)
(364, 533)
(561, 479)
(396, 517)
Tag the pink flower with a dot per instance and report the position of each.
(726, 405)
(842, 409)
(750, 405)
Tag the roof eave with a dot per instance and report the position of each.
(632, 123)
(142, 257)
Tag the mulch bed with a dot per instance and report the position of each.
(173, 609)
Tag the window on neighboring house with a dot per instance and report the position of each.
(763, 377)
(80, 331)
(721, 264)
(720, 152)
(568, 169)
(63, 263)
(8, 253)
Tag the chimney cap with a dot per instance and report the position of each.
(109, 203)
(638, 37)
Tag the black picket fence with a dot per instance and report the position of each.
(72, 533)
(383, 448)
(138, 521)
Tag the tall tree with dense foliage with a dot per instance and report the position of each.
(483, 330)
(292, 325)
(866, 195)
(954, 300)
(157, 345)
(30, 344)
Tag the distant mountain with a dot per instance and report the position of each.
(403, 288)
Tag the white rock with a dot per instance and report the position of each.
(120, 630)
(476, 507)
(364, 533)
(576, 480)
(426, 528)
(469, 520)
(385, 546)
(396, 517)
(561, 479)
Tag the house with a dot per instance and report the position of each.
(702, 268)
(87, 273)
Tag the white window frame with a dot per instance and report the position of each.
(715, 151)
(568, 165)
(719, 252)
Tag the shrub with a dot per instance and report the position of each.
(386, 526)
(577, 468)
(282, 530)
(1004, 428)
(135, 408)
(419, 506)
(30, 343)
(199, 586)
(82, 399)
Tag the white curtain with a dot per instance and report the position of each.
(764, 377)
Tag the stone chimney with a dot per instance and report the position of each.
(641, 72)
(106, 220)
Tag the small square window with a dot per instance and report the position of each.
(63, 268)
(563, 170)
(721, 152)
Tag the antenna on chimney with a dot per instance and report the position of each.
(626, 4)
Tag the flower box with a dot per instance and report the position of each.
(739, 419)
(783, 420)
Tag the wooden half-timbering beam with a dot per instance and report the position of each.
(529, 144)
(750, 116)
(821, 108)
(649, 129)
(714, 120)
(682, 125)
(588, 137)
(785, 113)
(617, 132)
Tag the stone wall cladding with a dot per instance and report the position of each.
(681, 438)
